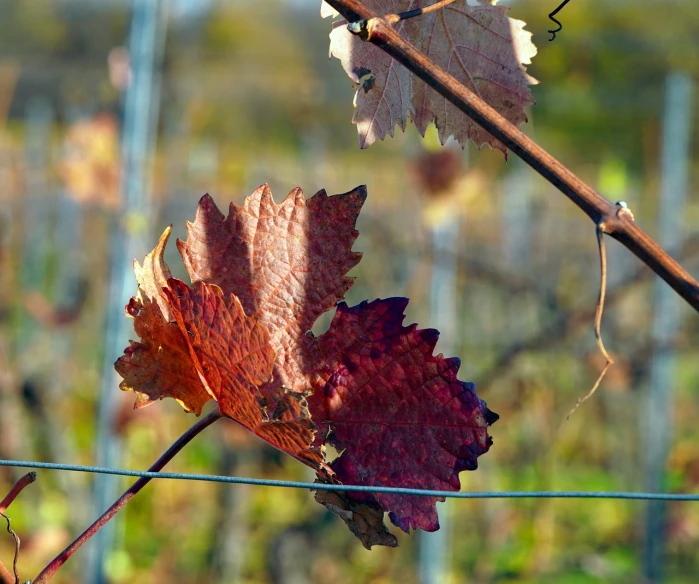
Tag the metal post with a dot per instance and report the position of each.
(435, 548)
(129, 240)
(39, 119)
(30, 359)
(516, 216)
(673, 192)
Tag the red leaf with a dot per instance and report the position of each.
(398, 413)
(229, 350)
(262, 276)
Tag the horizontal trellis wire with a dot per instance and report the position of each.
(360, 488)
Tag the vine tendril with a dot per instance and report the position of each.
(551, 16)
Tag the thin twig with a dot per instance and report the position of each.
(590, 393)
(27, 479)
(598, 321)
(361, 25)
(48, 572)
(384, 36)
(418, 11)
(16, 537)
(602, 293)
(551, 16)
(16, 489)
(569, 322)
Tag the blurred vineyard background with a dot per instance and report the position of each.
(241, 93)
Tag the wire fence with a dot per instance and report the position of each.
(356, 488)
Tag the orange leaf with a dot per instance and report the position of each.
(198, 344)
(233, 357)
(159, 365)
(153, 275)
(286, 263)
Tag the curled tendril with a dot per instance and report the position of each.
(552, 15)
(554, 31)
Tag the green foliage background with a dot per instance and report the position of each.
(249, 96)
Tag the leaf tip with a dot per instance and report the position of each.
(360, 192)
(206, 210)
(490, 416)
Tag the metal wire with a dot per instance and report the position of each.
(360, 488)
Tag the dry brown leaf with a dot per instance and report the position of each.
(480, 46)
(364, 519)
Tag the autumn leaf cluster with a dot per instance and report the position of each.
(240, 335)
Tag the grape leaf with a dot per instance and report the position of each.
(398, 414)
(149, 371)
(364, 518)
(159, 365)
(286, 263)
(233, 357)
(153, 275)
(480, 46)
(326, 10)
(197, 345)
(369, 386)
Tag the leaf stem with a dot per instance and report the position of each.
(5, 576)
(619, 226)
(48, 572)
(16, 489)
(569, 322)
